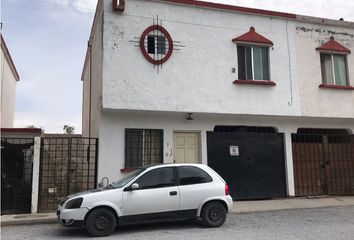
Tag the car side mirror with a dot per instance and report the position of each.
(132, 187)
(135, 186)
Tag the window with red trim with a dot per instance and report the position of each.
(253, 56)
(253, 63)
(334, 66)
(143, 147)
(156, 44)
(334, 69)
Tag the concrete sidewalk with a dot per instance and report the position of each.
(239, 207)
(291, 203)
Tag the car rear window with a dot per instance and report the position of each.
(192, 175)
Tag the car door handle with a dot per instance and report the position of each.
(173, 193)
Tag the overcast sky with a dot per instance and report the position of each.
(48, 38)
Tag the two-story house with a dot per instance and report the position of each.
(265, 98)
(9, 78)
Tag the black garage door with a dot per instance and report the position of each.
(252, 163)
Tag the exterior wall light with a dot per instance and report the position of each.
(189, 116)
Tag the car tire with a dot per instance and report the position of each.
(101, 222)
(213, 214)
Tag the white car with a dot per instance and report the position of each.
(151, 194)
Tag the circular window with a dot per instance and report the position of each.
(156, 44)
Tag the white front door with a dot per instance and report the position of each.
(157, 193)
(186, 147)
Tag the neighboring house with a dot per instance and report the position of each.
(265, 98)
(38, 169)
(17, 163)
(9, 78)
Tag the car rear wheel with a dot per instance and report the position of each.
(213, 214)
(100, 222)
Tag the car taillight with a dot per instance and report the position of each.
(227, 190)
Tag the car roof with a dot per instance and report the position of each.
(198, 165)
(176, 165)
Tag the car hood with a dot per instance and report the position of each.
(83, 193)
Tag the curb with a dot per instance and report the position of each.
(28, 220)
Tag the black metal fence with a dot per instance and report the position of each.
(323, 164)
(67, 165)
(16, 175)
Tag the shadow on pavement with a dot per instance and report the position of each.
(62, 231)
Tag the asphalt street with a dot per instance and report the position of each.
(318, 223)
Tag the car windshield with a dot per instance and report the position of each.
(124, 180)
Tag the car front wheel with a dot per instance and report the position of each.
(100, 222)
(213, 214)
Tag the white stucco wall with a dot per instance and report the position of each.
(8, 93)
(198, 78)
(317, 101)
(114, 123)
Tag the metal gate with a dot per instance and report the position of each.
(252, 163)
(323, 163)
(16, 175)
(67, 165)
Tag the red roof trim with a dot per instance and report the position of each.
(232, 8)
(336, 86)
(252, 37)
(9, 58)
(127, 170)
(21, 130)
(255, 82)
(333, 46)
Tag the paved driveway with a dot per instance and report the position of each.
(320, 223)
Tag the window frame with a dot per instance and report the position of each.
(331, 54)
(175, 178)
(262, 46)
(168, 40)
(178, 176)
(159, 44)
(130, 166)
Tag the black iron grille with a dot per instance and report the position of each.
(255, 129)
(68, 165)
(323, 164)
(143, 147)
(16, 175)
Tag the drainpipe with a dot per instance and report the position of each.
(90, 80)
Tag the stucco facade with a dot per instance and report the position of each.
(198, 77)
(92, 79)
(315, 101)
(9, 78)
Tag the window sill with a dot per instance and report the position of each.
(336, 86)
(127, 170)
(255, 82)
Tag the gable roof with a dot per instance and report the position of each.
(333, 46)
(9, 59)
(252, 37)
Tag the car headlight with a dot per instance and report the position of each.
(75, 203)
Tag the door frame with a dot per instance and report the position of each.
(199, 132)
